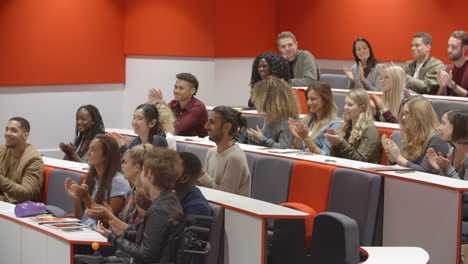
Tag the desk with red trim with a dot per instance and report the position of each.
(24, 241)
(245, 226)
(420, 209)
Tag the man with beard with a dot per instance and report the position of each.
(226, 167)
(454, 79)
(421, 73)
(21, 166)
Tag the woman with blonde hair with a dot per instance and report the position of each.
(419, 132)
(394, 91)
(358, 138)
(275, 98)
(309, 133)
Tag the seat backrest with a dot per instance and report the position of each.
(254, 120)
(442, 106)
(45, 184)
(197, 150)
(339, 101)
(301, 97)
(387, 131)
(216, 236)
(335, 80)
(56, 194)
(310, 184)
(251, 161)
(271, 180)
(356, 194)
(335, 239)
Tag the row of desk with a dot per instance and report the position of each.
(410, 202)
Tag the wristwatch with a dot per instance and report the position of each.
(452, 86)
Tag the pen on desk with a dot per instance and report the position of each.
(329, 160)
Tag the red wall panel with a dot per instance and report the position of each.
(61, 42)
(245, 28)
(328, 28)
(170, 28)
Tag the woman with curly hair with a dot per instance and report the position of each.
(358, 138)
(275, 98)
(266, 64)
(366, 72)
(419, 132)
(310, 133)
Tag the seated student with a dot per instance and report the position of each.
(132, 214)
(266, 64)
(453, 129)
(104, 182)
(302, 64)
(190, 113)
(147, 126)
(167, 119)
(277, 100)
(163, 220)
(366, 72)
(421, 73)
(88, 124)
(21, 166)
(387, 108)
(226, 167)
(310, 133)
(454, 79)
(418, 133)
(358, 138)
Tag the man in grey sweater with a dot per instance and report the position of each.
(226, 167)
(303, 66)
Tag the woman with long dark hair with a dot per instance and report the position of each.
(104, 182)
(88, 124)
(147, 126)
(366, 72)
(310, 132)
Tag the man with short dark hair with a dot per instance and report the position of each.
(454, 79)
(191, 198)
(21, 166)
(226, 167)
(303, 66)
(190, 113)
(421, 73)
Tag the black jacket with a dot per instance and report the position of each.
(149, 244)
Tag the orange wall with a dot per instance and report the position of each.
(202, 28)
(85, 41)
(61, 42)
(245, 28)
(328, 27)
(170, 27)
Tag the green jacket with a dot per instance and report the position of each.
(305, 70)
(366, 148)
(427, 81)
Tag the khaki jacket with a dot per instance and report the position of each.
(427, 81)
